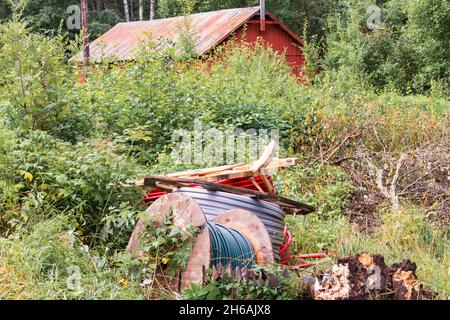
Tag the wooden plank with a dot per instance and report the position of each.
(265, 158)
(199, 259)
(138, 182)
(294, 206)
(217, 173)
(281, 163)
(252, 179)
(204, 171)
(230, 174)
(268, 184)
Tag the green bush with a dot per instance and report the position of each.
(121, 102)
(165, 246)
(328, 189)
(257, 284)
(83, 181)
(32, 78)
(408, 52)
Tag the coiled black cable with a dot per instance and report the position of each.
(229, 246)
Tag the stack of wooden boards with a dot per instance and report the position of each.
(254, 176)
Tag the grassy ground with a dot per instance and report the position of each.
(401, 234)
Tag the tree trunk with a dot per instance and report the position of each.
(131, 10)
(126, 12)
(85, 30)
(153, 9)
(98, 6)
(141, 10)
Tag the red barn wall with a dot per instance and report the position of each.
(276, 37)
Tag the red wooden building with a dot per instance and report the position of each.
(210, 29)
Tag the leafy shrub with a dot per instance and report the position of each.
(33, 72)
(329, 190)
(326, 187)
(165, 247)
(73, 180)
(257, 284)
(338, 126)
(408, 52)
(121, 102)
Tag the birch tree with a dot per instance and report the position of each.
(141, 10)
(153, 9)
(85, 31)
(126, 11)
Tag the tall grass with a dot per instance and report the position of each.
(51, 263)
(407, 234)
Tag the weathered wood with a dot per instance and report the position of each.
(262, 167)
(199, 259)
(252, 179)
(185, 211)
(229, 174)
(281, 163)
(265, 158)
(205, 171)
(216, 173)
(294, 206)
(251, 228)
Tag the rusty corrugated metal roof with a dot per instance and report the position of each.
(210, 28)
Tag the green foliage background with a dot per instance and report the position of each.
(66, 147)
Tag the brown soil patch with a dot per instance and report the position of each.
(367, 277)
(363, 210)
(370, 278)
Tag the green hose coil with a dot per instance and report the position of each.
(229, 246)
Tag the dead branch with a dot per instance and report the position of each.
(330, 152)
(417, 180)
(394, 183)
(353, 134)
(390, 193)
